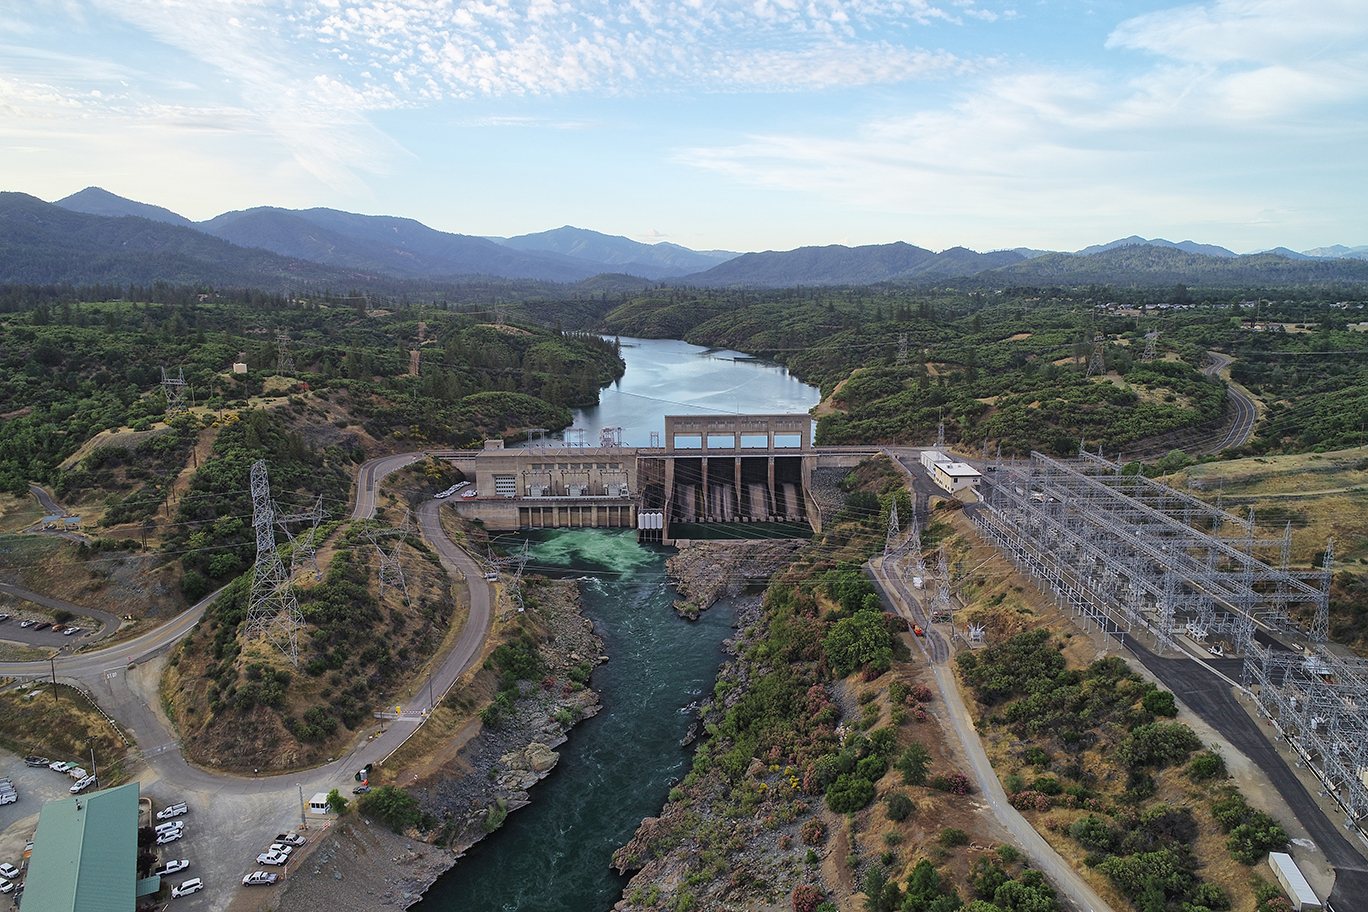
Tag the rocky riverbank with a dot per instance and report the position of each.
(472, 791)
(705, 572)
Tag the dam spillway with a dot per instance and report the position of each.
(735, 469)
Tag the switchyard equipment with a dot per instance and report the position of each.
(1126, 553)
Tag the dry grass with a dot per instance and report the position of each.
(60, 729)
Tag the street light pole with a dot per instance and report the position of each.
(52, 661)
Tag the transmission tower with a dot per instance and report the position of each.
(174, 390)
(1097, 365)
(272, 609)
(303, 548)
(284, 360)
(391, 568)
(940, 434)
(890, 542)
(1150, 339)
(902, 349)
(943, 583)
(1320, 625)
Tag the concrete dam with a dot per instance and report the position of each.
(735, 469)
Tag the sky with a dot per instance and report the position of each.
(759, 125)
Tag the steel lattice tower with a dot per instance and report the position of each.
(902, 349)
(1150, 339)
(303, 548)
(391, 568)
(890, 542)
(174, 390)
(1320, 624)
(1098, 363)
(272, 609)
(284, 360)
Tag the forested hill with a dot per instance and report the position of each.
(1147, 264)
(838, 265)
(42, 243)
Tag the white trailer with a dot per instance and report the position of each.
(1292, 880)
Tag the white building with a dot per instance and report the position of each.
(955, 476)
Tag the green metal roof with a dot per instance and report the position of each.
(85, 854)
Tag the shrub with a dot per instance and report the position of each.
(872, 768)
(393, 805)
(951, 837)
(954, 783)
(336, 803)
(849, 793)
(899, 806)
(814, 832)
(1206, 765)
(806, 897)
(1160, 703)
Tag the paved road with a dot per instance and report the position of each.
(1072, 887)
(12, 631)
(233, 816)
(46, 501)
(1242, 428)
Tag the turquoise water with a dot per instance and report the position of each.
(617, 767)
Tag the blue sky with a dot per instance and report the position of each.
(767, 124)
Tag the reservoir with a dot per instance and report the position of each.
(618, 767)
(669, 377)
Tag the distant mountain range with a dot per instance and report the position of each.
(97, 236)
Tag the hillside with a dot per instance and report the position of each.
(395, 247)
(41, 243)
(97, 201)
(652, 261)
(838, 265)
(1150, 265)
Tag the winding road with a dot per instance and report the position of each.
(234, 816)
(1246, 413)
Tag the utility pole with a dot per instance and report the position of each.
(52, 660)
(303, 823)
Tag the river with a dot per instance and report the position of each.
(618, 767)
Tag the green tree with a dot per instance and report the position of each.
(857, 641)
(336, 803)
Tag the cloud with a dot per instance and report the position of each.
(461, 48)
(1178, 140)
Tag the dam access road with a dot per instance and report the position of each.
(233, 817)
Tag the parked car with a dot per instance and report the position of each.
(82, 784)
(9, 871)
(60, 766)
(280, 848)
(6, 886)
(3, 618)
(272, 858)
(9, 798)
(70, 631)
(361, 790)
(169, 827)
(41, 626)
(170, 836)
(290, 839)
(26, 623)
(33, 760)
(264, 878)
(193, 885)
(58, 628)
(172, 810)
(77, 773)
(172, 867)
